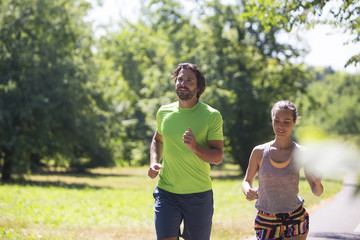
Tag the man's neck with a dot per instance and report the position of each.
(188, 104)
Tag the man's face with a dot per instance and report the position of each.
(186, 85)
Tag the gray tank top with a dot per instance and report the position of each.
(278, 186)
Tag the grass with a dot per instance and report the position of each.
(118, 204)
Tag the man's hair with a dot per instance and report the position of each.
(201, 82)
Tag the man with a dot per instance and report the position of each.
(189, 137)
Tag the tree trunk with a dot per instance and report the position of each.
(6, 168)
(35, 164)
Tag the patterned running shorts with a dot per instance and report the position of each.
(281, 225)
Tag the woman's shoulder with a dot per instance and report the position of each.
(258, 152)
(261, 147)
(298, 147)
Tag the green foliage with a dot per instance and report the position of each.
(287, 14)
(241, 61)
(334, 111)
(134, 77)
(68, 100)
(47, 106)
(244, 58)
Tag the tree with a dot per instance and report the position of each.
(246, 68)
(335, 110)
(247, 62)
(287, 14)
(134, 74)
(47, 107)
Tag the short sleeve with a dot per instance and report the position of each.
(215, 127)
(158, 121)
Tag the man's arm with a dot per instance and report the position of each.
(156, 151)
(212, 154)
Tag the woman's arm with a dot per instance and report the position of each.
(253, 168)
(314, 180)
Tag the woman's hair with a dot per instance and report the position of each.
(285, 104)
(201, 82)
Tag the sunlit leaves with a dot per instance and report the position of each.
(46, 53)
(337, 111)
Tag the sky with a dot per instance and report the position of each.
(325, 44)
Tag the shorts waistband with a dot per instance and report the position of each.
(282, 214)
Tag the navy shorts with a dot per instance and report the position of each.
(196, 210)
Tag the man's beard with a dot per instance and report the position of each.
(185, 95)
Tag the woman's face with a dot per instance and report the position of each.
(282, 122)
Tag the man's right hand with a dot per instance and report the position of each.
(154, 170)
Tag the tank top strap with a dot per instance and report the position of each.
(267, 150)
(266, 153)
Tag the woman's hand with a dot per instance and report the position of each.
(251, 194)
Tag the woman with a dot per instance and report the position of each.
(281, 214)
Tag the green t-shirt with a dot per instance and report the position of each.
(183, 172)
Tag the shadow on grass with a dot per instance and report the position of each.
(59, 184)
(226, 172)
(228, 177)
(62, 182)
(79, 174)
